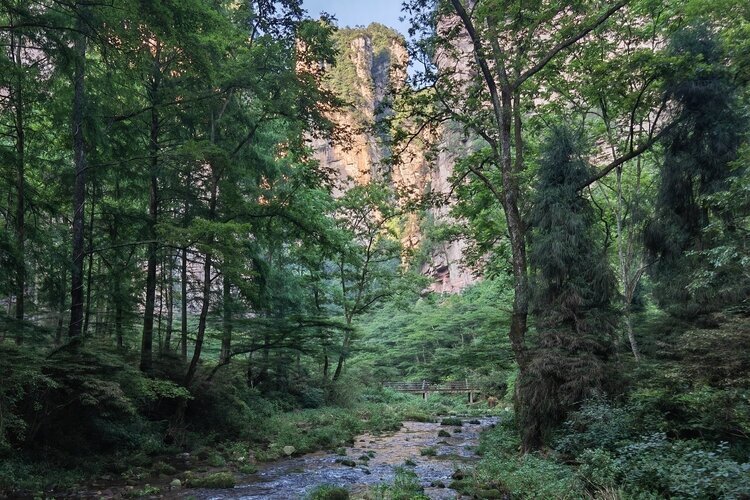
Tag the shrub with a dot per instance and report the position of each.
(597, 424)
(452, 421)
(522, 476)
(682, 468)
(217, 480)
(406, 486)
(599, 469)
(329, 492)
(313, 397)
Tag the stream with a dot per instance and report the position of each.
(296, 477)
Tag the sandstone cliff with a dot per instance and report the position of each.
(372, 62)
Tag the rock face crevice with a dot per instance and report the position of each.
(371, 64)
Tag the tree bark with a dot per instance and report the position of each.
(226, 339)
(118, 314)
(183, 305)
(153, 211)
(89, 270)
(342, 356)
(206, 291)
(20, 228)
(170, 305)
(79, 188)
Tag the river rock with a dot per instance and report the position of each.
(458, 475)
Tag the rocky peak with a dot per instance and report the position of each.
(371, 63)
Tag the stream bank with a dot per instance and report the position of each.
(370, 463)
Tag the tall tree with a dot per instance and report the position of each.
(79, 190)
(573, 290)
(489, 65)
(699, 153)
(367, 266)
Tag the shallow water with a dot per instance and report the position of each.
(296, 477)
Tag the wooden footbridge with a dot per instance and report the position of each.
(426, 388)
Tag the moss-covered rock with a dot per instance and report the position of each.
(216, 480)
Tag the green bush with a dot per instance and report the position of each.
(682, 468)
(313, 397)
(599, 469)
(405, 486)
(430, 451)
(597, 424)
(522, 476)
(219, 480)
(329, 492)
(452, 421)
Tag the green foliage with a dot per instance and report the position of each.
(599, 469)
(691, 234)
(436, 338)
(328, 492)
(524, 476)
(405, 486)
(681, 468)
(430, 451)
(597, 424)
(573, 289)
(217, 480)
(452, 421)
(345, 78)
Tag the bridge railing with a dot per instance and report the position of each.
(425, 388)
(455, 386)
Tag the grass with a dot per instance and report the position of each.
(503, 471)
(453, 421)
(218, 480)
(430, 451)
(328, 492)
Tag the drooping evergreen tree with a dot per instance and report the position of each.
(698, 156)
(573, 288)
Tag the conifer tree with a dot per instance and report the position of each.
(573, 287)
(697, 165)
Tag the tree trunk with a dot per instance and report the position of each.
(631, 334)
(629, 283)
(183, 305)
(206, 292)
(201, 322)
(342, 356)
(170, 305)
(79, 189)
(226, 339)
(153, 212)
(20, 184)
(89, 270)
(118, 314)
(160, 314)
(61, 311)
(516, 234)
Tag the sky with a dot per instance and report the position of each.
(360, 12)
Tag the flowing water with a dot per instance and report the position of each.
(296, 477)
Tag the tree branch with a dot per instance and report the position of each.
(567, 43)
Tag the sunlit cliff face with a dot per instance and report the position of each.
(372, 63)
